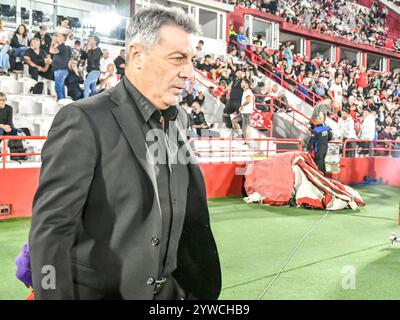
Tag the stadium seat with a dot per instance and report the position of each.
(9, 85)
(27, 105)
(49, 106)
(26, 84)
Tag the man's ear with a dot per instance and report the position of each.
(135, 55)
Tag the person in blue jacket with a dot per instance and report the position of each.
(320, 137)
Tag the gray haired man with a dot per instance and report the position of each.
(109, 220)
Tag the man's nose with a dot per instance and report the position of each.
(187, 71)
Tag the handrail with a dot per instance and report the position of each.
(315, 97)
(393, 145)
(272, 106)
(4, 153)
(255, 151)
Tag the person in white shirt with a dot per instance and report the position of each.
(247, 106)
(346, 132)
(109, 79)
(335, 92)
(105, 61)
(4, 47)
(367, 131)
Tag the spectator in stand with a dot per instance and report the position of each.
(288, 52)
(94, 55)
(247, 106)
(105, 61)
(198, 53)
(109, 79)
(232, 32)
(199, 123)
(190, 92)
(241, 39)
(20, 41)
(282, 101)
(319, 88)
(346, 132)
(6, 117)
(38, 61)
(74, 80)
(335, 91)
(4, 47)
(61, 55)
(200, 98)
(120, 63)
(235, 99)
(206, 65)
(368, 131)
(78, 53)
(44, 38)
(63, 26)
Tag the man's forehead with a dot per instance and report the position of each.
(175, 39)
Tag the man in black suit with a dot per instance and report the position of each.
(121, 208)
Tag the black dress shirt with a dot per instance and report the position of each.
(172, 177)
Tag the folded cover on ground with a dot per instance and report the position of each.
(294, 175)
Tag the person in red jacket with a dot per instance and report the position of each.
(362, 78)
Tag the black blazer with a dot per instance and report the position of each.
(96, 209)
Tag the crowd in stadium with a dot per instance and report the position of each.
(339, 18)
(342, 88)
(83, 70)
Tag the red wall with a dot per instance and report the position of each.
(18, 187)
(353, 170)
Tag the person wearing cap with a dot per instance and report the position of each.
(44, 38)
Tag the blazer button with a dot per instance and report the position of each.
(155, 242)
(151, 281)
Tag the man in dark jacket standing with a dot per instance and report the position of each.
(320, 137)
(121, 208)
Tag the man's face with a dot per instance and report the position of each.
(196, 107)
(122, 54)
(106, 54)
(241, 29)
(2, 102)
(42, 32)
(344, 115)
(35, 44)
(59, 38)
(160, 72)
(64, 23)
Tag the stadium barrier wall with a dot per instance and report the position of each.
(221, 179)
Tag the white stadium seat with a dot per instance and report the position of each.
(9, 85)
(26, 84)
(27, 105)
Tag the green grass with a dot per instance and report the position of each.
(254, 241)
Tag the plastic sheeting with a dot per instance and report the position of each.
(294, 175)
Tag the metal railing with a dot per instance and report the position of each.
(4, 154)
(233, 149)
(352, 148)
(280, 77)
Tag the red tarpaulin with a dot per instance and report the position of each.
(276, 180)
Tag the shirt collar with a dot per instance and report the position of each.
(146, 108)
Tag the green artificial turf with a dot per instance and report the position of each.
(254, 241)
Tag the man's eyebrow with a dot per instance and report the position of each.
(185, 54)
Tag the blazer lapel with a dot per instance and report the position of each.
(127, 119)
